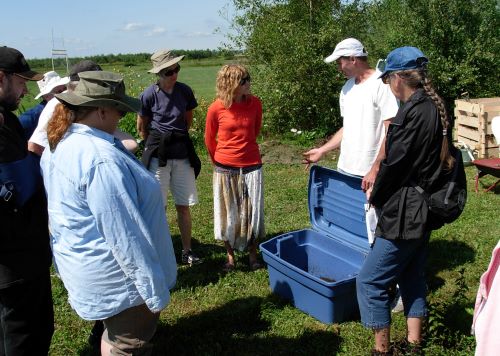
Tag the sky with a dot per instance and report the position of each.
(93, 27)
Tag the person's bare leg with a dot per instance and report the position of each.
(414, 330)
(184, 221)
(382, 339)
(230, 254)
(105, 348)
(252, 253)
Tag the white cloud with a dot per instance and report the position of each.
(156, 32)
(133, 26)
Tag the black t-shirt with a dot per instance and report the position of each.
(24, 236)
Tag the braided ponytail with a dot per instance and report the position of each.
(417, 78)
(447, 160)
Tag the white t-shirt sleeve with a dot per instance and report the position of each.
(39, 136)
(387, 102)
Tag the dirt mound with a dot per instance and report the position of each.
(276, 152)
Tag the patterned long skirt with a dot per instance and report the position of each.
(238, 205)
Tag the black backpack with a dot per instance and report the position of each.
(447, 197)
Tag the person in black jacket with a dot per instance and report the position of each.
(417, 145)
(26, 312)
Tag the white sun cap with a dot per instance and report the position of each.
(350, 47)
(50, 81)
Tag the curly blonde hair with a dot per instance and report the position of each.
(228, 80)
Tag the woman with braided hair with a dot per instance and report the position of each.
(417, 145)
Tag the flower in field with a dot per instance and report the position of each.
(293, 130)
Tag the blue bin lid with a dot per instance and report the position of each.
(336, 206)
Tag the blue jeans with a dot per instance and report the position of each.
(390, 262)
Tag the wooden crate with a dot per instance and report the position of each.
(473, 125)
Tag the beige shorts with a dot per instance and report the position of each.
(130, 331)
(178, 177)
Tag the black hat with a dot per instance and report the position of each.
(83, 66)
(12, 61)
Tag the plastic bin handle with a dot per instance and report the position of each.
(313, 195)
(280, 241)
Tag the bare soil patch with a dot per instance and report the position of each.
(274, 151)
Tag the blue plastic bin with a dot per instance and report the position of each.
(316, 268)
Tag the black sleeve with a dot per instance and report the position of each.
(13, 145)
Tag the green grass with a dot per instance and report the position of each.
(214, 313)
(198, 74)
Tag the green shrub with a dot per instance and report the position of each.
(286, 41)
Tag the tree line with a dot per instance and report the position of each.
(138, 58)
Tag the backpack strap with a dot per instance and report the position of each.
(6, 191)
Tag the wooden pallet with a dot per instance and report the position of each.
(473, 124)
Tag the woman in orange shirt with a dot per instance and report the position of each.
(233, 123)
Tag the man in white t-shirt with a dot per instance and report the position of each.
(367, 105)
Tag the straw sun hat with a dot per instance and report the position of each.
(162, 59)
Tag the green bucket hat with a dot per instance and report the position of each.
(99, 88)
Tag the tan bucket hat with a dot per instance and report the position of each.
(162, 59)
(99, 88)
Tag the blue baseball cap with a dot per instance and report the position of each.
(404, 58)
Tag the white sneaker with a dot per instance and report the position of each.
(397, 303)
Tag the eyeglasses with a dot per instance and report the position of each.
(244, 80)
(387, 78)
(171, 72)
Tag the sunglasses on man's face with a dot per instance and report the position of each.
(170, 72)
(244, 80)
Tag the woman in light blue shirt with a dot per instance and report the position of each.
(110, 235)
